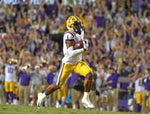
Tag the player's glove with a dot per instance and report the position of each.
(85, 44)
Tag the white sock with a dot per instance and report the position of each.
(114, 109)
(44, 96)
(107, 107)
(101, 109)
(86, 95)
(74, 106)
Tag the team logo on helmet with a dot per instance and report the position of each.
(74, 23)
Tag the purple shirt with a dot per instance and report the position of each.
(138, 4)
(124, 86)
(113, 78)
(24, 78)
(38, 49)
(42, 15)
(50, 77)
(100, 21)
(18, 39)
(49, 8)
(109, 4)
(147, 84)
(127, 37)
(73, 78)
(49, 45)
(27, 26)
(2, 24)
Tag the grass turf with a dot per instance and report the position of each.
(15, 109)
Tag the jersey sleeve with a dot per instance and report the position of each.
(69, 36)
(82, 35)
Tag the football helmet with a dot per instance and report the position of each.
(74, 23)
(28, 65)
(9, 61)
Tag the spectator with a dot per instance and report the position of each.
(37, 79)
(51, 78)
(25, 84)
(112, 84)
(2, 25)
(124, 92)
(146, 81)
(77, 89)
(2, 81)
(99, 84)
(32, 12)
(93, 87)
(123, 72)
(99, 19)
(104, 90)
(2, 11)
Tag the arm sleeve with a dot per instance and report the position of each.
(82, 35)
(73, 52)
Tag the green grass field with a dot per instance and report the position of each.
(15, 109)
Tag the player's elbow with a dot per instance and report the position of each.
(70, 51)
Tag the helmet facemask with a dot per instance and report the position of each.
(77, 26)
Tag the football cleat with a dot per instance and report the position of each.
(41, 98)
(86, 103)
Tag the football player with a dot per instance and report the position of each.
(15, 63)
(10, 71)
(72, 62)
(146, 94)
(139, 89)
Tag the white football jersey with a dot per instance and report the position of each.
(9, 72)
(138, 86)
(70, 35)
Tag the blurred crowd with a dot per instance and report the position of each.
(31, 42)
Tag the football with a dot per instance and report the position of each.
(78, 45)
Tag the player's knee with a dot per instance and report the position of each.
(60, 84)
(89, 76)
(56, 86)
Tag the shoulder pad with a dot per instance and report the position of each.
(73, 34)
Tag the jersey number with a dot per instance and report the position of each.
(140, 83)
(10, 70)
